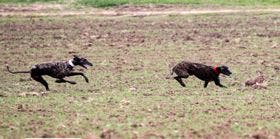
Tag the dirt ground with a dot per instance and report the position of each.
(124, 10)
(133, 50)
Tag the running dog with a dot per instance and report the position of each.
(58, 70)
(203, 72)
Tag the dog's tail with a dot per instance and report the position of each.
(170, 76)
(171, 72)
(15, 72)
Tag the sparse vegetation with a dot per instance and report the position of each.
(128, 93)
(26, 1)
(107, 3)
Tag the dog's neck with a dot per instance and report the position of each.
(215, 69)
(70, 62)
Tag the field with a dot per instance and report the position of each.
(98, 3)
(129, 94)
(109, 3)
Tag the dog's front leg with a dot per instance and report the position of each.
(217, 82)
(79, 73)
(179, 79)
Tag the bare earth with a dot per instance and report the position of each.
(127, 10)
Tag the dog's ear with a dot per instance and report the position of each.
(76, 58)
(223, 67)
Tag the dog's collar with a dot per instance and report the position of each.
(215, 69)
(71, 63)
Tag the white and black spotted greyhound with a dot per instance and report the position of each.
(58, 70)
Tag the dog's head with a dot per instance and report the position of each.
(224, 70)
(81, 62)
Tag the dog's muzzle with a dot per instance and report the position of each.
(87, 65)
(228, 73)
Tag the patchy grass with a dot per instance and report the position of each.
(128, 93)
(107, 3)
(27, 1)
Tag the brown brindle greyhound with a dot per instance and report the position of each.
(203, 72)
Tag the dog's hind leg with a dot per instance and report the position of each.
(79, 73)
(205, 84)
(179, 79)
(64, 81)
(40, 79)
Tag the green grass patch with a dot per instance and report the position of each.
(27, 1)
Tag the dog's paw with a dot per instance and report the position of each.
(72, 82)
(223, 86)
(59, 81)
